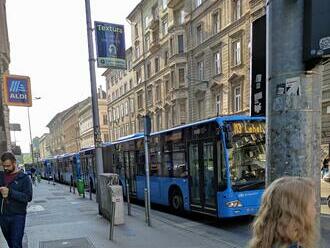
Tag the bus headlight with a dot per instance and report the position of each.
(234, 204)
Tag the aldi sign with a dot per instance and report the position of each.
(110, 45)
(17, 91)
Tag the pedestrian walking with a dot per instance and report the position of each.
(15, 193)
(286, 218)
(325, 167)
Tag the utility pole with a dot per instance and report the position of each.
(31, 142)
(95, 108)
(293, 97)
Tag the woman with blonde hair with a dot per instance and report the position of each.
(286, 217)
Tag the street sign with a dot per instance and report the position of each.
(110, 45)
(15, 127)
(17, 91)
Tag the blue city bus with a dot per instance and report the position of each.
(215, 166)
(88, 167)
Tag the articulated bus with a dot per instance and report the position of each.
(215, 166)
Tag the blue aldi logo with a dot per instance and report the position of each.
(17, 91)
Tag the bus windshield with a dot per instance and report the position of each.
(247, 154)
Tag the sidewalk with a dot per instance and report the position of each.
(57, 218)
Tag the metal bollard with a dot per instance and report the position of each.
(145, 202)
(84, 189)
(128, 200)
(112, 220)
(90, 191)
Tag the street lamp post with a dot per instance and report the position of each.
(31, 143)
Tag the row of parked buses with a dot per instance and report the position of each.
(214, 166)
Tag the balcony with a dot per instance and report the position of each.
(154, 45)
(172, 4)
(154, 22)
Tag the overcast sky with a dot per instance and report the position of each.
(48, 42)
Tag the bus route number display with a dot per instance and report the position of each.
(247, 127)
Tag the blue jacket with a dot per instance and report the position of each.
(20, 193)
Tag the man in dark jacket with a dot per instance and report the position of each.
(15, 193)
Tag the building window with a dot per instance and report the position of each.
(131, 105)
(140, 100)
(165, 27)
(171, 46)
(158, 120)
(216, 22)
(218, 104)
(167, 86)
(136, 28)
(165, 58)
(217, 63)
(126, 108)
(180, 44)
(149, 70)
(237, 99)
(106, 137)
(129, 65)
(200, 70)
(198, 3)
(165, 4)
(156, 65)
(149, 95)
(147, 42)
(174, 114)
(236, 52)
(105, 120)
(122, 111)
(173, 83)
(158, 92)
(183, 113)
(138, 76)
(125, 88)
(201, 109)
(121, 90)
(180, 15)
(181, 76)
(137, 50)
(199, 34)
(130, 84)
(237, 9)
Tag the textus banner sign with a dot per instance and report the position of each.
(110, 45)
(17, 91)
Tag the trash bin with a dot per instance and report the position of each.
(80, 186)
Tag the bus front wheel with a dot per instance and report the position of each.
(176, 201)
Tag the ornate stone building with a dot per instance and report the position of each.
(326, 108)
(5, 143)
(189, 60)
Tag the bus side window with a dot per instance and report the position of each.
(221, 167)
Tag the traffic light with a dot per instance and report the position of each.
(316, 31)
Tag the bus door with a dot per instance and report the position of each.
(130, 168)
(203, 176)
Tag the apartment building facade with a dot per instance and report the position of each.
(85, 120)
(71, 129)
(189, 60)
(5, 141)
